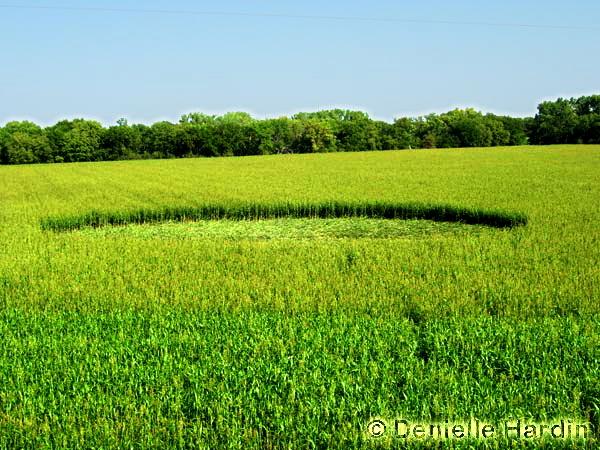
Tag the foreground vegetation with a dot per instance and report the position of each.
(143, 338)
(206, 379)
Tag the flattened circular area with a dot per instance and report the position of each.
(286, 228)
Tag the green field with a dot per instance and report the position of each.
(296, 332)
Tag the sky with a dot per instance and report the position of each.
(268, 58)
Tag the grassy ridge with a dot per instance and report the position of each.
(325, 210)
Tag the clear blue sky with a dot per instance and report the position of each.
(148, 66)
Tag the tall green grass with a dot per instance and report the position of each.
(324, 210)
(210, 380)
(111, 339)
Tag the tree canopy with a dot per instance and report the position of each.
(564, 121)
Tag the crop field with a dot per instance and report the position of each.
(301, 301)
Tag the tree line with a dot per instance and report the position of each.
(564, 121)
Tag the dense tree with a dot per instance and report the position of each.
(197, 135)
(353, 130)
(76, 140)
(402, 134)
(588, 129)
(433, 132)
(279, 135)
(556, 123)
(587, 105)
(238, 133)
(159, 140)
(466, 128)
(516, 128)
(315, 136)
(499, 135)
(121, 142)
(24, 143)
(359, 134)
(588, 111)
